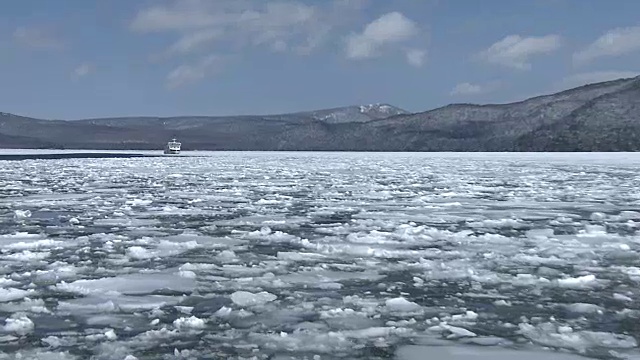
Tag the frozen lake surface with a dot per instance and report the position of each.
(321, 256)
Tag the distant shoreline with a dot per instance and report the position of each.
(600, 117)
(52, 156)
(130, 153)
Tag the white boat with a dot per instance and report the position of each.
(173, 147)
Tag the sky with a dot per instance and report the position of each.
(77, 59)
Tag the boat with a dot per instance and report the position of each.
(173, 147)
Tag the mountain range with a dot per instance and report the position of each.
(596, 117)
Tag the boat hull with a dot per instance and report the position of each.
(173, 147)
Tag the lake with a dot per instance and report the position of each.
(283, 255)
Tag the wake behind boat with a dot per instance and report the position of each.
(173, 147)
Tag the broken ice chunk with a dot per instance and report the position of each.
(245, 298)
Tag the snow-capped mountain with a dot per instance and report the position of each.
(595, 117)
(361, 113)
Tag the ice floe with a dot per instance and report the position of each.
(321, 255)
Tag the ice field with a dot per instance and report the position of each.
(321, 256)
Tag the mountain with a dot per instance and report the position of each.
(529, 125)
(608, 122)
(596, 117)
(362, 113)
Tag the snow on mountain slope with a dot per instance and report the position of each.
(594, 117)
(360, 113)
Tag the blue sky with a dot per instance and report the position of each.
(88, 58)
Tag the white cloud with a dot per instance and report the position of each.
(515, 51)
(416, 57)
(231, 26)
(190, 73)
(195, 40)
(183, 15)
(467, 89)
(577, 80)
(37, 37)
(82, 70)
(391, 28)
(276, 25)
(614, 42)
